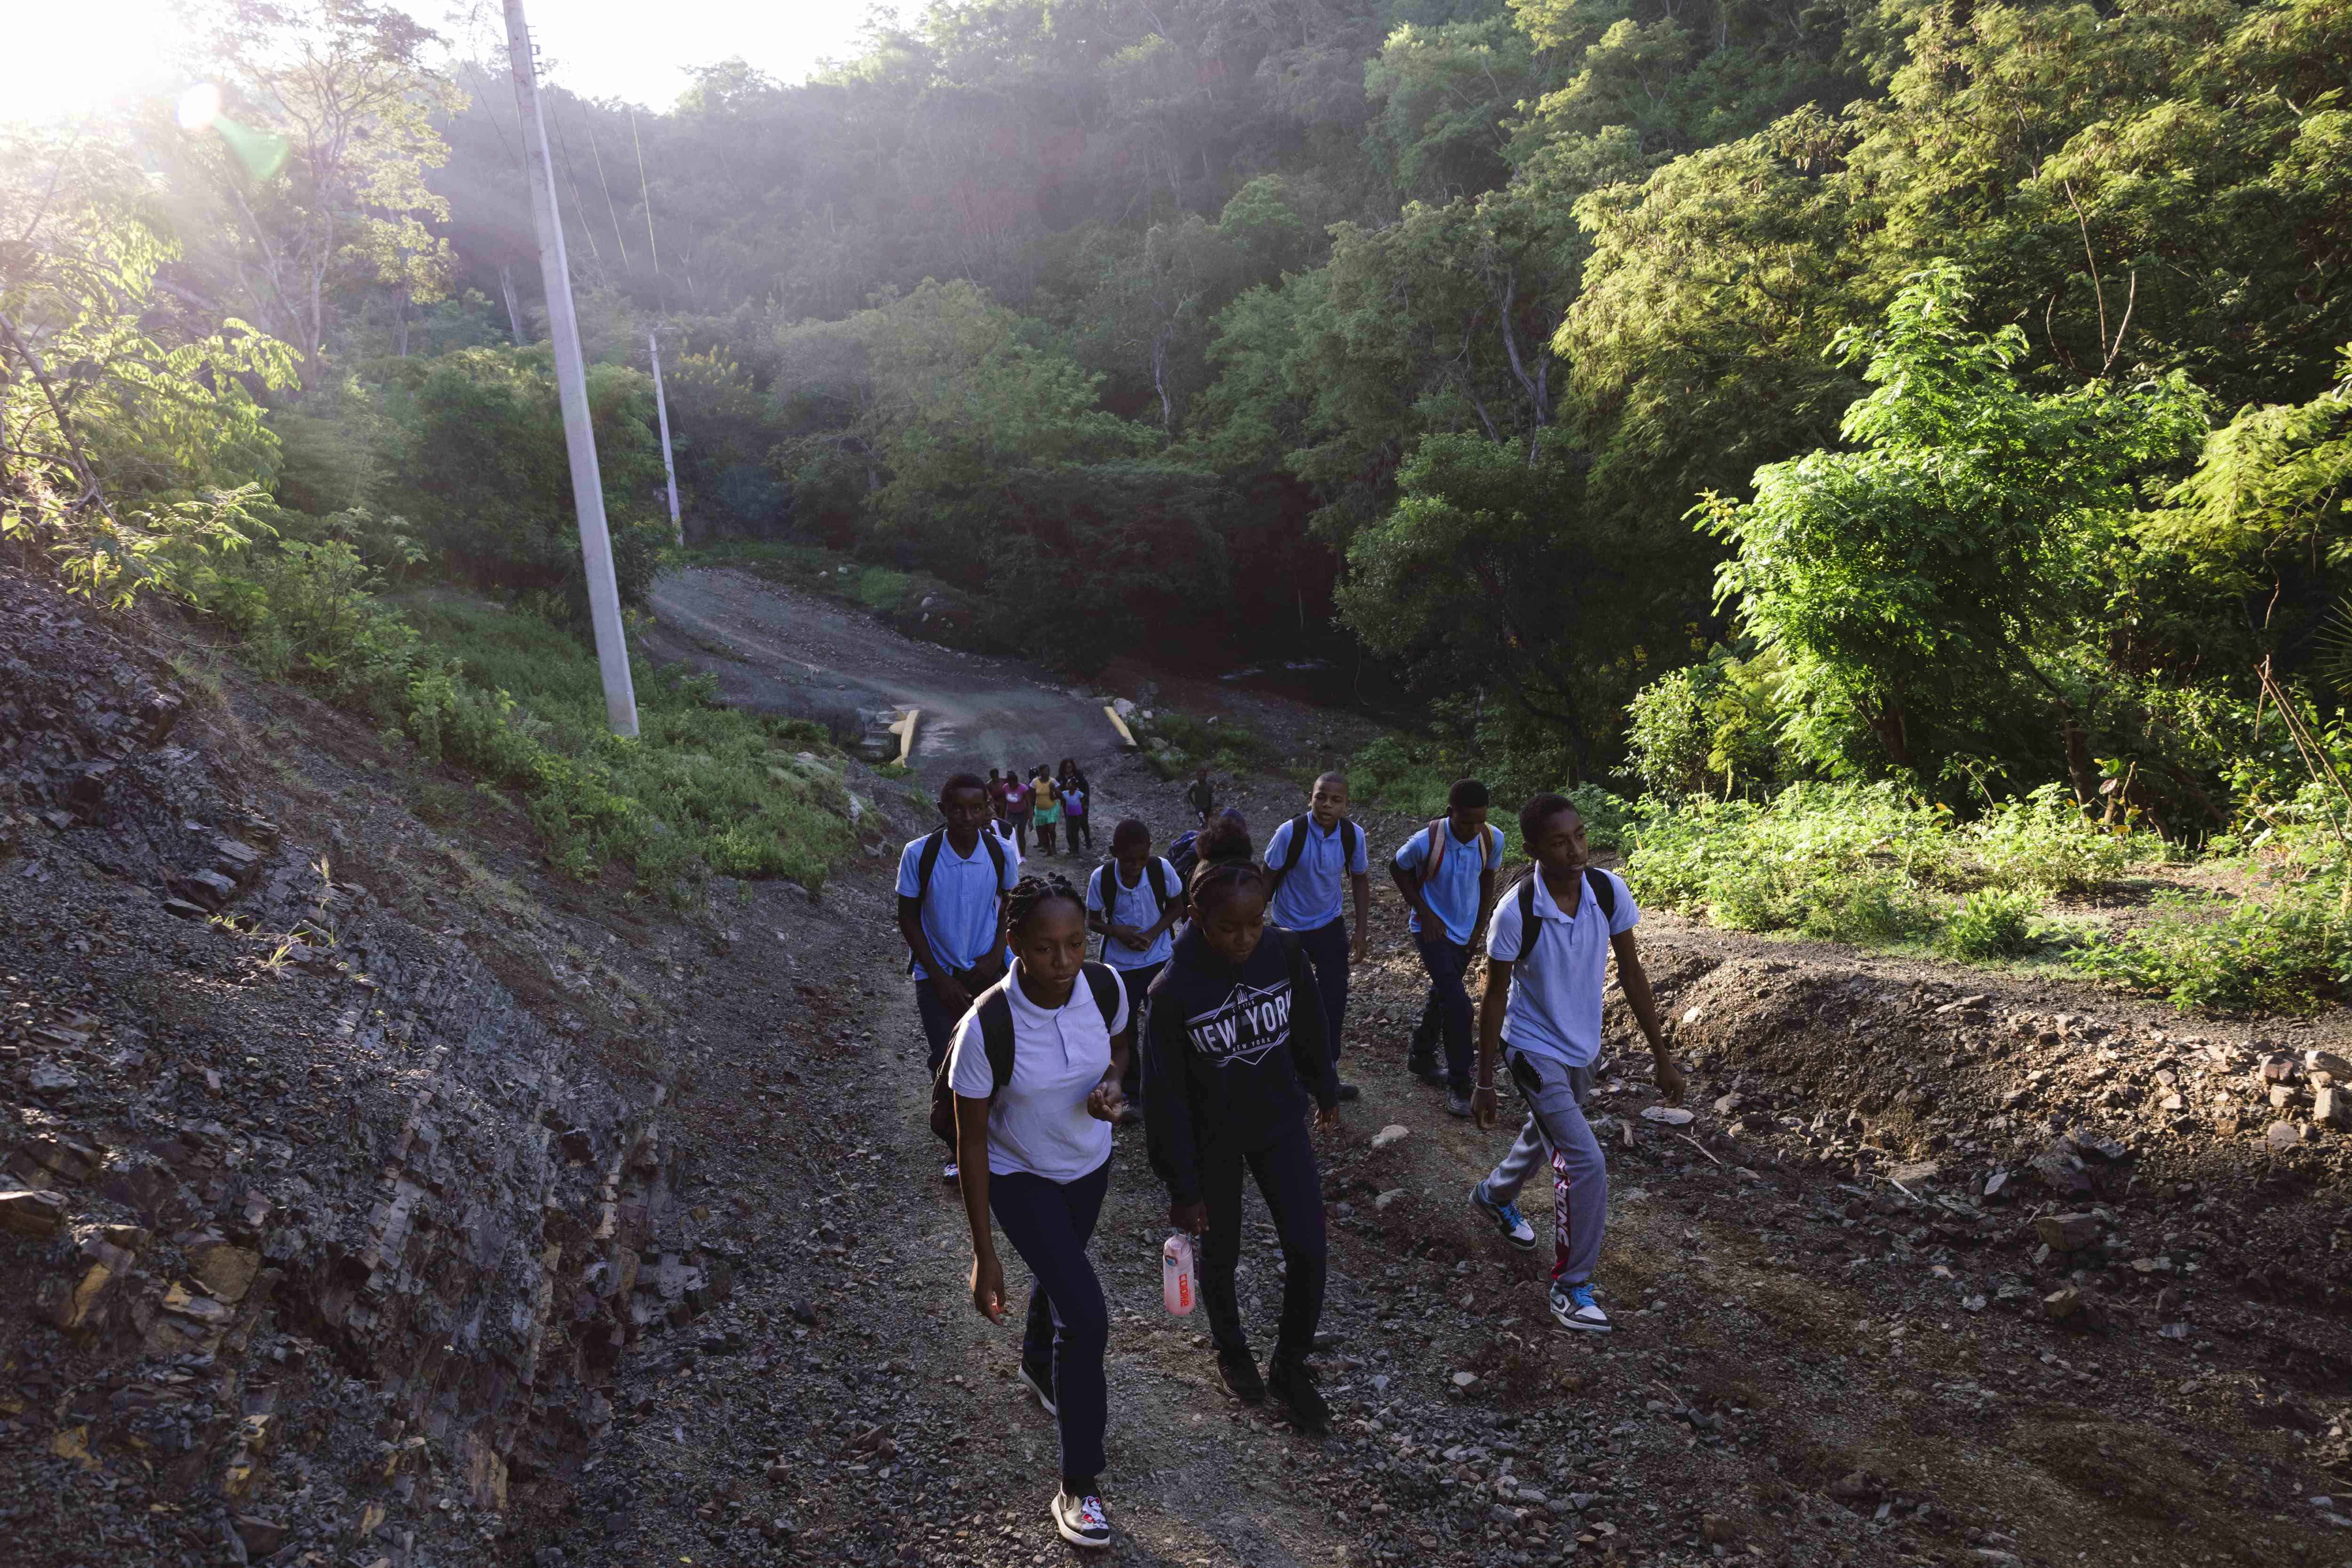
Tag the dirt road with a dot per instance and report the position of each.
(776, 649)
(1834, 1346)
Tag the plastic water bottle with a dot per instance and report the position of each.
(1177, 1290)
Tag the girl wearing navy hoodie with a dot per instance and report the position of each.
(1233, 1052)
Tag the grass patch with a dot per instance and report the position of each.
(2292, 955)
(1176, 743)
(517, 701)
(704, 788)
(1392, 774)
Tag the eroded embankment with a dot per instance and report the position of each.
(309, 1222)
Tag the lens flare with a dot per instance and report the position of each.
(199, 106)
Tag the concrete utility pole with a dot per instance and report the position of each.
(572, 388)
(669, 469)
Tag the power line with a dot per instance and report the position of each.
(609, 207)
(646, 190)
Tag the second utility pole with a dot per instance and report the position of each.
(669, 469)
(571, 391)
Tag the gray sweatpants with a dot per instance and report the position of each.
(1558, 1134)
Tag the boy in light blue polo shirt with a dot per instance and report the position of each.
(1548, 948)
(951, 889)
(1133, 900)
(1310, 858)
(1447, 873)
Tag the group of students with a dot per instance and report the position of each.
(1236, 968)
(1045, 801)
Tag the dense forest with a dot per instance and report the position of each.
(1732, 392)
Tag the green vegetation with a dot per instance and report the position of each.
(1906, 446)
(517, 700)
(1176, 743)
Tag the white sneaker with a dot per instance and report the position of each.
(1507, 1217)
(1573, 1307)
(1081, 1519)
(953, 1172)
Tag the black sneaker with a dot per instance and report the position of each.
(1239, 1372)
(1291, 1386)
(1039, 1381)
(1426, 1069)
(1347, 1093)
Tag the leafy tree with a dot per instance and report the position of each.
(477, 461)
(2266, 519)
(122, 449)
(1443, 94)
(1711, 292)
(318, 163)
(1487, 575)
(1939, 581)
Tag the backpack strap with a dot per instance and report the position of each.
(929, 862)
(1435, 857)
(1105, 982)
(1596, 881)
(1291, 854)
(1604, 892)
(995, 856)
(997, 1035)
(1154, 867)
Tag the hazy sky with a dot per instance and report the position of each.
(599, 47)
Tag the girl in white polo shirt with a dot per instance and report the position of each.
(1548, 948)
(1035, 1148)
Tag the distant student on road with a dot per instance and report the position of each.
(1201, 795)
(1033, 1113)
(1045, 810)
(1133, 900)
(1015, 801)
(1548, 947)
(951, 890)
(1077, 806)
(1308, 858)
(1233, 1054)
(1447, 873)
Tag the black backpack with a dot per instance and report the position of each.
(930, 860)
(996, 1037)
(1596, 881)
(1182, 857)
(1350, 836)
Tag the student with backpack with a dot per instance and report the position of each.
(1034, 1076)
(1548, 948)
(1447, 873)
(1202, 796)
(1233, 1056)
(1133, 900)
(1308, 858)
(1077, 806)
(953, 885)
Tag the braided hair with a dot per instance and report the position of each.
(1032, 893)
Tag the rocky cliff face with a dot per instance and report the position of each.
(312, 1235)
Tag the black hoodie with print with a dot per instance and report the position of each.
(1229, 1054)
